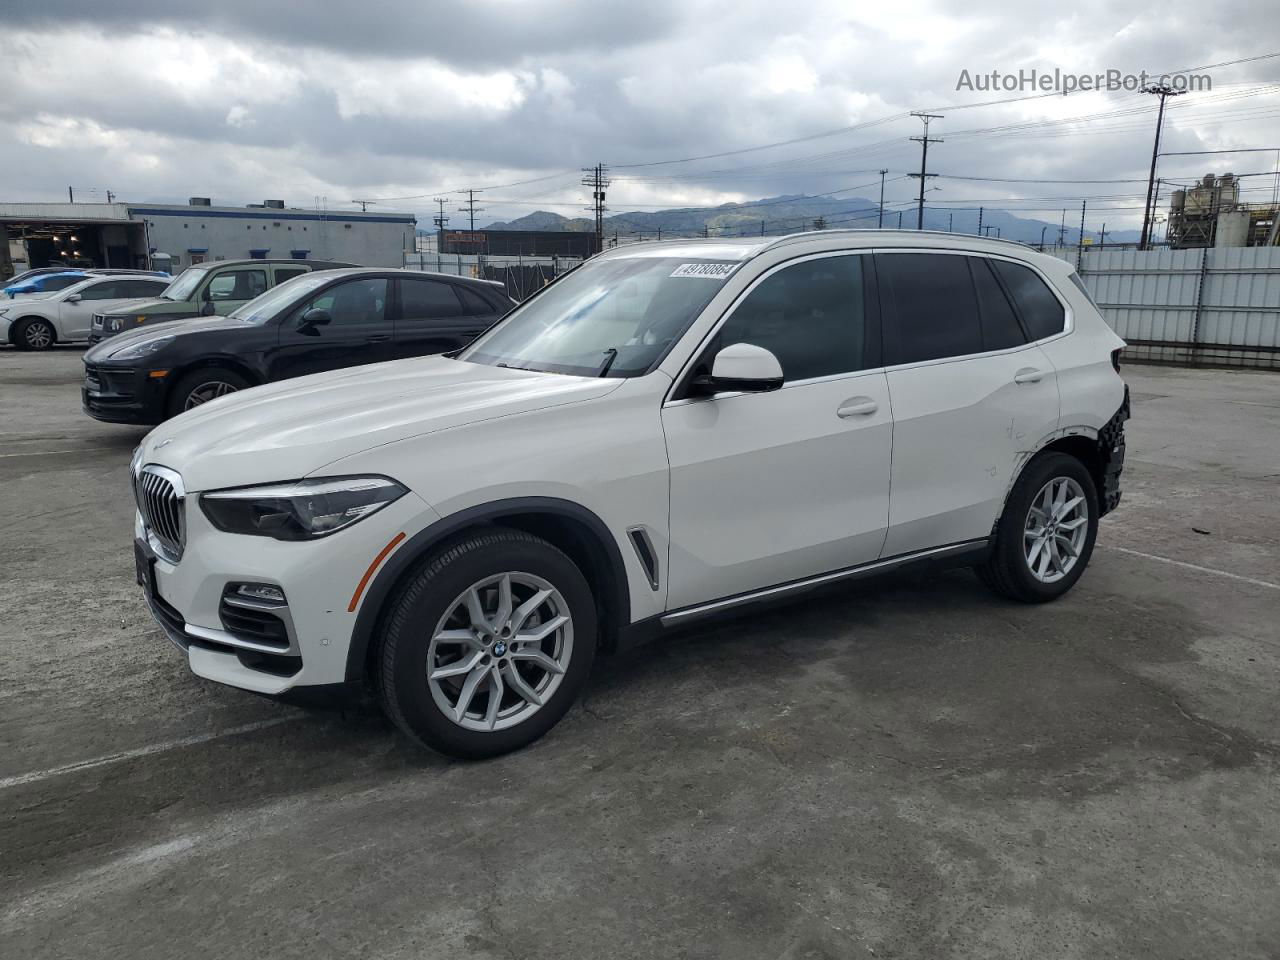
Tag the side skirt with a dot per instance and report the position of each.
(965, 553)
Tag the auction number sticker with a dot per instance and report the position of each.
(708, 271)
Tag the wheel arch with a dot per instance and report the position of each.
(16, 325)
(1082, 443)
(569, 526)
(230, 363)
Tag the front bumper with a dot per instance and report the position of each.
(188, 599)
(122, 395)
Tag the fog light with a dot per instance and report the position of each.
(261, 591)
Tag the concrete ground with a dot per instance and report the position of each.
(908, 768)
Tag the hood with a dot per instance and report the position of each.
(104, 351)
(287, 430)
(149, 305)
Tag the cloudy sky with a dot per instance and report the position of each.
(404, 100)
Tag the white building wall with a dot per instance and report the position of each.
(190, 234)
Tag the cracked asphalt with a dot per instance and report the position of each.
(907, 768)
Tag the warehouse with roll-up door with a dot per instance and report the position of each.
(175, 236)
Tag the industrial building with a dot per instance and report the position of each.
(175, 236)
(520, 243)
(1210, 214)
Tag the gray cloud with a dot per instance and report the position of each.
(394, 99)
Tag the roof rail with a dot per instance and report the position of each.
(865, 231)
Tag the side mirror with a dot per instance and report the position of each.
(73, 298)
(741, 368)
(315, 317)
(208, 309)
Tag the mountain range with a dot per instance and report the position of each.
(785, 214)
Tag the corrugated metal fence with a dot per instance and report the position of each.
(1210, 306)
(522, 276)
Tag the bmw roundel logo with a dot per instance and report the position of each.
(500, 648)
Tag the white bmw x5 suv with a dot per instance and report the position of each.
(671, 431)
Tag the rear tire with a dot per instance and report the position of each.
(33, 333)
(201, 386)
(1045, 536)
(486, 647)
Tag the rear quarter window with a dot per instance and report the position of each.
(1042, 313)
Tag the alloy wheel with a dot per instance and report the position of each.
(39, 335)
(207, 391)
(1055, 529)
(500, 651)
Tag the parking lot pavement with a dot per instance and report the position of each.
(908, 768)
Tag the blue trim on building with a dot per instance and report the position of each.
(194, 250)
(266, 215)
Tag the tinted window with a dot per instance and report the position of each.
(1042, 312)
(930, 307)
(138, 288)
(288, 273)
(238, 285)
(1000, 328)
(57, 283)
(102, 291)
(473, 302)
(810, 316)
(427, 300)
(356, 301)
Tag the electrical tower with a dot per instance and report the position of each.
(1164, 92)
(597, 179)
(924, 142)
(470, 207)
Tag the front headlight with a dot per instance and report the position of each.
(302, 510)
(143, 349)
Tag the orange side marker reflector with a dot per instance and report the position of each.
(158, 374)
(377, 562)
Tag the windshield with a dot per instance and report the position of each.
(278, 299)
(184, 285)
(614, 317)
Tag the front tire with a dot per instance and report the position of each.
(486, 647)
(33, 333)
(201, 386)
(1046, 534)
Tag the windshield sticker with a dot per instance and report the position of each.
(707, 271)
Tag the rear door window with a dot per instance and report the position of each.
(930, 307)
(1042, 313)
(428, 300)
(1000, 329)
(238, 285)
(288, 273)
(473, 302)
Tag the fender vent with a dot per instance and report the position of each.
(644, 550)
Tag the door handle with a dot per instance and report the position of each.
(378, 338)
(857, 407)
(1027, 375)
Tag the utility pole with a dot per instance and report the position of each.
(597, 179)
(980, 223)
(364, 205)
(924, 142)
(880, 222)
(1102, 237)
(951, 221)
(1062, 230)
(899, 219)
(471, 208)
(1042, 230)
(440, 220)
(1164, 92)
(1080, 239)
(71, 195)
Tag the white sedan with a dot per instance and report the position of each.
(64, 317)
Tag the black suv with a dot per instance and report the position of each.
(319, 321)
